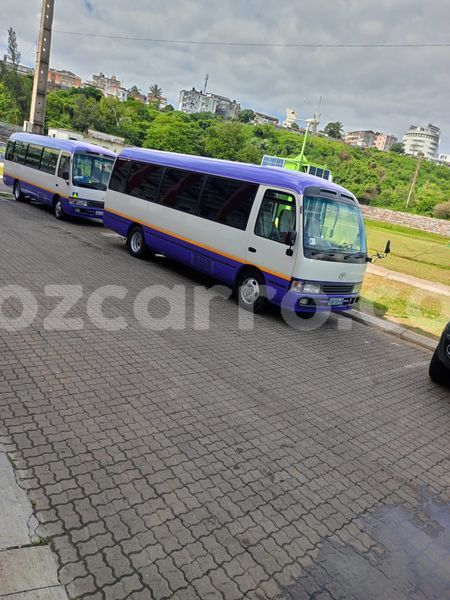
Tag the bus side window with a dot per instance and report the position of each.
(276, 216)
(64, 166)
(228, 201)
(34, 156)
(9, 151)
(20, 152)
(143, 180)
(119, 175)
(181, 190)
(49, 160)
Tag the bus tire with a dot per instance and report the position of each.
(136, 243)
(18, 194)
(250, 291)
(58, 209)
(438, 371)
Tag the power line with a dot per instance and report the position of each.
(247, 44)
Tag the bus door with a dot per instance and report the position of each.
(63, 175)
(269, 244)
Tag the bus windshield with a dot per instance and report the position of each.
(91, 171)
(332, 226)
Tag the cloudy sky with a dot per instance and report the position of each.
(385, 89)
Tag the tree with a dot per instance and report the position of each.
(17, 87)
(155, 93)
(246, 116)
(398, 148)
(13, 48)
(334, 130)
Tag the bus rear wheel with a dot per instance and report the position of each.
(251, 292)
(18, 194)
(58, 209)
(136, 243)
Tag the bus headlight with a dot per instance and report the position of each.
(305, 287)
(357, 288)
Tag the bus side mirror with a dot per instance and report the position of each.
(291, 238)
(387, 250)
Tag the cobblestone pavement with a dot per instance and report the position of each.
(217, 463)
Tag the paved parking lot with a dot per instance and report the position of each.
(217, 463)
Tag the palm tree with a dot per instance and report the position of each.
(155, 92)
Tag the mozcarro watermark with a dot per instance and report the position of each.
(156, 307)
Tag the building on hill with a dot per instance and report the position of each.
(262, 119)
(63, 79)
(105, 84)
(360, 138)
(21, 69)
(194, 101)
(366, 138)
(384, 141)
(291, 118)
(110, 142)
(422, 140)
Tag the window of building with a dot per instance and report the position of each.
(64, 166)
(49, 160)
(34, 155)
(119, 175)
(20, 152)
(144, 180)
(181, 190)
(228, 201)
(276, 216)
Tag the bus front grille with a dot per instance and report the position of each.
(337, 288)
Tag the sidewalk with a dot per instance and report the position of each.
(423, 284)
(27, 566)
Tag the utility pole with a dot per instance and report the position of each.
(206, 83)
(412, 189)
(39, 96)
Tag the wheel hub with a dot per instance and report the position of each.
(136, 241)
(250, 291)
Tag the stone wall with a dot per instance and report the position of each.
(438, 226)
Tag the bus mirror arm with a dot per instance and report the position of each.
(380, 255)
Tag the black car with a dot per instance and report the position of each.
(440, 363)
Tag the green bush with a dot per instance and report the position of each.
(442, 211)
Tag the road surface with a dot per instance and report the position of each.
(214, 463)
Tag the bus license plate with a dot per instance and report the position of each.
(336, 301)
(98, 213)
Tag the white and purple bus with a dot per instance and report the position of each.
(70, 176)
(271, 234)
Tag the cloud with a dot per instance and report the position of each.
(373, 88)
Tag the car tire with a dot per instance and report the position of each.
(58, 209)
(251, 292)
(136, 243)
(438, 371)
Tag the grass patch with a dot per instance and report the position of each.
(417, 253)
(419, 310)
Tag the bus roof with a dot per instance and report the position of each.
(69, 145)
(272, 176)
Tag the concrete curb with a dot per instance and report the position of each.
(28, 567)
(401, 332)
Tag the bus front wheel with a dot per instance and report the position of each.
(18, 194)
(136, 243)
(251, 291)
(58, 209)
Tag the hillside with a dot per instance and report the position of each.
(378, 178)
